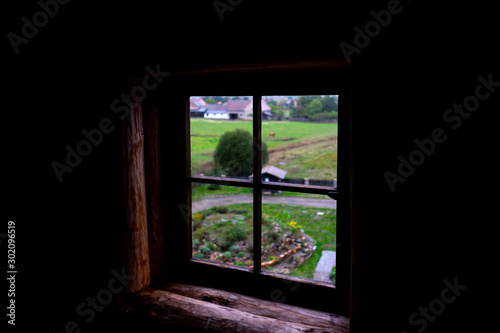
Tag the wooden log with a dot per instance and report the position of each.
(279, 311)
(163, 308)
(136, 233)
(152, 155)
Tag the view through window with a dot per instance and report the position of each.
(299, 148)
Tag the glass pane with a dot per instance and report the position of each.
(222, 224)
(221, 136)
(300, 133)
(299, 235)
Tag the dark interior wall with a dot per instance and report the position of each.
(434, 226)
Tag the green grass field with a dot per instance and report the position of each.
(308, 149)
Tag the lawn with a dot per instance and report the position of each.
(308, 149)
(224, 234)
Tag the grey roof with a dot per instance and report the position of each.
(201, 109)
(214, 107)
(274, 171)
(216, 111)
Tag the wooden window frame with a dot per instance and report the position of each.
(296, 291)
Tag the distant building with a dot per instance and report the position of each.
(197, 107)
(238, 109)
(272, 174)
(233, 109)
(216, 111)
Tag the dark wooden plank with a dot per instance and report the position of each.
(136, 234)
(189, 221)
(162, 309)
(344, 214)
(285, 312)
(221, 181)
(264, 67)
(257, 179)
(152, 164)
(312, 189)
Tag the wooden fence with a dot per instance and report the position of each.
(307, 120)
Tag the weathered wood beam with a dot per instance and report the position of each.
(284, 312)
(136, 233)
(163, 308)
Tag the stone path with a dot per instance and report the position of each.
(207, 203)
(325, 266)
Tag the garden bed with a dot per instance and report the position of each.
(224, 234)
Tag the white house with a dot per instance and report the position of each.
(243, 109)
(216, 114)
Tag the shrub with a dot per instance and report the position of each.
(234, 248)
(324, 115)
(227, 254)
(204, 249)
(239, 211)
(197, 220)
(199, 233)
(241, 254)
(196, 242)
(213, 187)
(220, 210)
(234, 153)
(235, 234)
(199, 255)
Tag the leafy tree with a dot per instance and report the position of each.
(329, 103)
(302, 104)
(234, 153)
(276, 111)
(313, 108)
(217, 99)
(306, 100)
(325, 115)
(294, 112)
(210, 101)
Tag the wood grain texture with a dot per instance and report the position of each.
(164, 308)
(284, 312)
(136, 233)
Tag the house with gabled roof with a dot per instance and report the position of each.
(216, 111)
(243, 109)
(233, 109)
(197, 107)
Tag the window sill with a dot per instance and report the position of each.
(215, 310)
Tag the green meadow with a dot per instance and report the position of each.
(300, 148)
